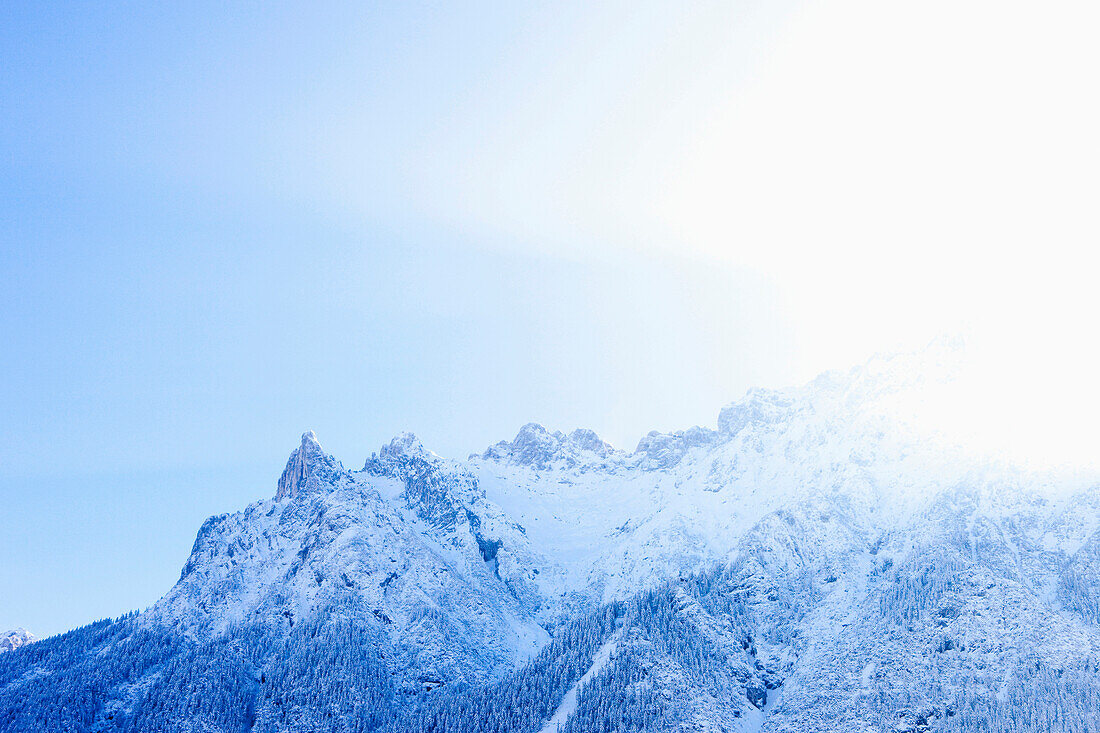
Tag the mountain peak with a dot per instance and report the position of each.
(537, 447)
(404, 444)
(12, 640)
(665, 450)
(302, 464)
(758, 406)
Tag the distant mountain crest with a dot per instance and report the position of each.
(12, 640)
(405, 444)
(539, 448)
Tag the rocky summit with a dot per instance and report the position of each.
(14, 639)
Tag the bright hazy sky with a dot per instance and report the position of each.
(223, 225)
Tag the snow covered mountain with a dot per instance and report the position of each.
(14, 639)
(821, 561)
(396, 538)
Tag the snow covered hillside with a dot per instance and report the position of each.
(822, 560)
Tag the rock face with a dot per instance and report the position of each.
(759, 407)
(814, 564)
(14, 639)
(665, 450)
(536, 447)
(309, 467)
(393, 541)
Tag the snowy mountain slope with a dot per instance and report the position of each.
(610, 522)
(406, 556)
(11, 640)
(820, 625)
(821, 560)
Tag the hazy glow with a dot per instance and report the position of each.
(911, 167)
(898, 170)
(1034, 410)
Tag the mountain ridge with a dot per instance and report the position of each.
(817, 560)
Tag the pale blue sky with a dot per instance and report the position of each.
(225, 224)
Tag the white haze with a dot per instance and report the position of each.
(896, 170)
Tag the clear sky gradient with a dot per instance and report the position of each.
(224, 224)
